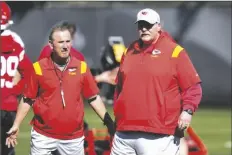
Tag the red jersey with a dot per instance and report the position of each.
(52, 89)
(46, 52)
(150, 82)
(13, 58)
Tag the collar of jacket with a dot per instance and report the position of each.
(138, 46)
(73, 62)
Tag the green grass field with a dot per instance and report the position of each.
(213, 126)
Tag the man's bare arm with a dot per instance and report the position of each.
(99, 107)
(107, 76)
(22, 112)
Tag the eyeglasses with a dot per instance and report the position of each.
(146, 25)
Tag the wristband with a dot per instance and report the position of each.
(189, 111)
(92, 99)
(107, 119)
(28, 100)
(109, 123)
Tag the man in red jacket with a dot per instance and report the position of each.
(13, 60)
(157, 92)
(55, 92)
(46, 51)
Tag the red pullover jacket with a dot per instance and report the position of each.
(150, 85)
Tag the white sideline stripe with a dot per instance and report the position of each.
(228, 144)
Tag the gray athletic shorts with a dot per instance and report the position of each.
(43, 145)
(141, 143)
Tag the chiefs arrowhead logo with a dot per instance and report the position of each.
(144, 13)
(155, 53)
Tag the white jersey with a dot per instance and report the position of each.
(15, 58)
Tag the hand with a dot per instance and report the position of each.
(11, 140)
(103, 77)
(184, 120)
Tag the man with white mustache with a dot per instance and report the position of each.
(158, 90)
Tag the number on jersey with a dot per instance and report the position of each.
(8, 69)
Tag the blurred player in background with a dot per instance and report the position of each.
(6, 22)
(15, 67)
(110, 61)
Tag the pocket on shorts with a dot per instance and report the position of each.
(170, 143)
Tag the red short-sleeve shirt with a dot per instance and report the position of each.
(45, 85)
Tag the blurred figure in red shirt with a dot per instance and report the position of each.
(55, 91)
(6, 22)
(15, 68)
